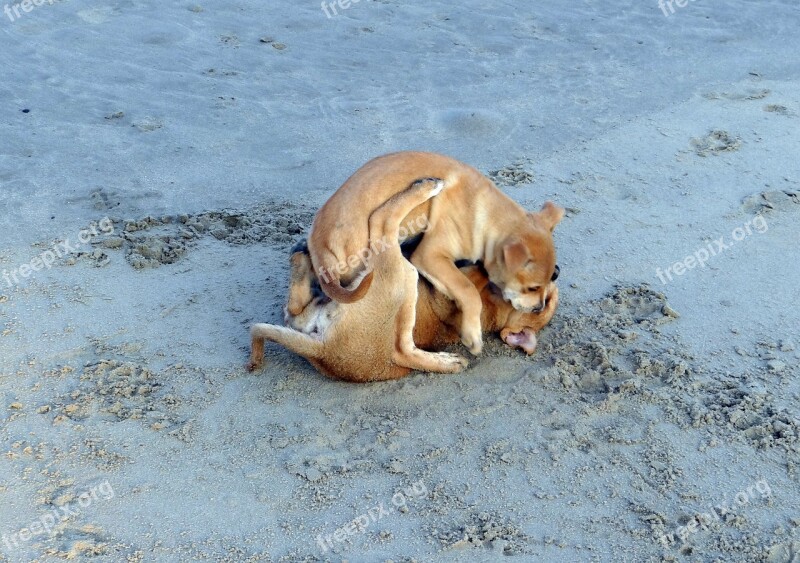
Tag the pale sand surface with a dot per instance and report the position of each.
(209, 134)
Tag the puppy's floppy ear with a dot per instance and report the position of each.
(550, 215)
(515, 255)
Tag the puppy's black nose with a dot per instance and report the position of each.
(555, 273)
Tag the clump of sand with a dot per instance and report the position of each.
(151, 242)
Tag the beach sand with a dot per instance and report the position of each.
(659, 418)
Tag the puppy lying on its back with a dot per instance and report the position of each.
(471, 220)
(368, 340)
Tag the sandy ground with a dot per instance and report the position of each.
(659, 419)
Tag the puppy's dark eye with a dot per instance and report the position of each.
(555, 273)
(533, 288)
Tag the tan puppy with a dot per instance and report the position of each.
(367, 340)
(438, 318)
(470, 220)
(372, 339)
(343, 345)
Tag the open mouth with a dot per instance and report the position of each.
(525, 339)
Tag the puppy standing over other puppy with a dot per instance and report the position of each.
(470, 220)
(354, 342)
(372, 339)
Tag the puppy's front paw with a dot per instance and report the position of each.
(252, 365)
(472, 339)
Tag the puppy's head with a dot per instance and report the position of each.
(526, 261)
(521, 328)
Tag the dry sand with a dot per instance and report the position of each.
(210, 134)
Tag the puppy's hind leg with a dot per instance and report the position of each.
(384, 222)
(384, 225)
(256, 353)
(294, 340)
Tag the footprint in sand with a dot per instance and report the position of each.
(774, 200)
(716, 142)
(104, 200)
(511, 175)
(752, 94)
(147, 124)
(779, 109)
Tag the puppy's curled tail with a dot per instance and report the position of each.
(294, 340)
(333, 289)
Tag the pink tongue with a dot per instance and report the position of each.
(525, 340)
